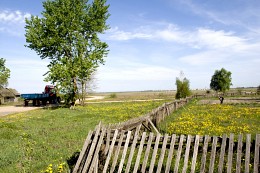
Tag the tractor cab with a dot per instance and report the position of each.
(49, 89)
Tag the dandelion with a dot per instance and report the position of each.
(215, 120)
(61, 167)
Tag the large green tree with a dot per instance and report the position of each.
(221, 80)
(183, 86)
(68, 35)
(4, 73)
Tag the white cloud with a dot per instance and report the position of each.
(116, 34)
(198, 47)
(12, 22)
(203, 38)
(13, 16)
(171, 33)
(198, 38)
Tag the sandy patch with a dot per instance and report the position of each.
(6, 110)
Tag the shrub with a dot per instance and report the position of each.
(113, 95)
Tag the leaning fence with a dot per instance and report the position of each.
(108, 150)
(150, 120)
(128, 147)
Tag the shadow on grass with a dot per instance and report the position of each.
(71, 161)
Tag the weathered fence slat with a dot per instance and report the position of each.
(256, 158)
(107, 140)
(230, 153)
(239, 153)
(92, 148)
(213, 154)
(132, 149)
(222, 153)
(117, 152)
(162, 154)
(204, 154)
(177, 161)
(170, 154)
(187, 152)
(195, 153)
(110, 151)
(158, 136)
(139, 152)
(97, 149)
(124, 151)
(247, 157)
(147, 152)
(83, 152)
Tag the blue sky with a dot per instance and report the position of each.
(150, 42)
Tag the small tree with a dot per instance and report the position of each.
(4, 73)
(183, 87)
(221, 80)
(258, 90)
(85, 86)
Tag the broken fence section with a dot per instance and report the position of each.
(107, 150)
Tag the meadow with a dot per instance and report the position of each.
(214, 119)
(44, 139)
(136, 95)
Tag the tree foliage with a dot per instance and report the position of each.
(221, 80)
(4, 73)
(183, 87)
(258, 90)
(68, 35)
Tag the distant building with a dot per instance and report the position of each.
(8, 95)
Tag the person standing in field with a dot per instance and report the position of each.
(221, 99)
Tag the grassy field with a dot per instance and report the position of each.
(31, 141)
(214, 119)
(137, 95)
(162, 94)
(43, 140)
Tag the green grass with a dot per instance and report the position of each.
(31, 141)
(214, 119)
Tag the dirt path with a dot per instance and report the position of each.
(6, 110)
(95, 98)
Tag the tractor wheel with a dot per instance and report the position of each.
(58, 100)
(26, 102)
(34, 102)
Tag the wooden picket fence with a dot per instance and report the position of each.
(150, 120)
(107, 150)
